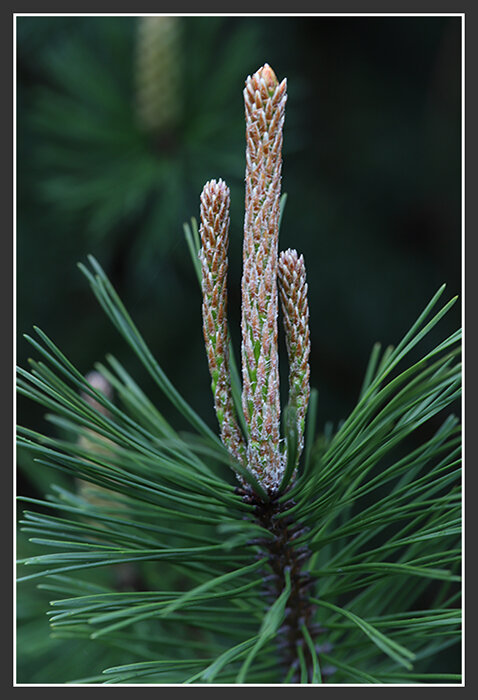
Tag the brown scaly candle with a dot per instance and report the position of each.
(264, 99)
(214, 232)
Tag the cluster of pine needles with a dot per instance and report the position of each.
(379, 522)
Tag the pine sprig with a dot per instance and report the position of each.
(425, 505)
(347, 573)
(365, 577)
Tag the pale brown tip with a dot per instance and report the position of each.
(268, 76)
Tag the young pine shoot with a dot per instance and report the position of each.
(271, 553)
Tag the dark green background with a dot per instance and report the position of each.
(372, 169)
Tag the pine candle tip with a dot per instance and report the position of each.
(215, 186)
(268, 76)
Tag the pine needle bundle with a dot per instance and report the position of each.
(273, 553)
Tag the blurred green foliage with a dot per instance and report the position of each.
(372, 169)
